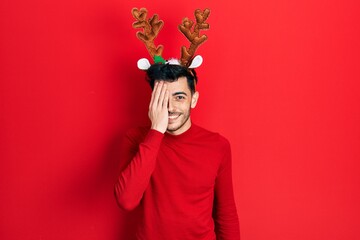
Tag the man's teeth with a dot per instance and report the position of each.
(174, 116)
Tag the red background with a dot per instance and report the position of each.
(280, 80)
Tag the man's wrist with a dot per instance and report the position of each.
(159, 129)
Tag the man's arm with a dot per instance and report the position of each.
(134, 178)
(225, 214)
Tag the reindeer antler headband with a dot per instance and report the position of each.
(151, 28)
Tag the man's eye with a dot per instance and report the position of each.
(180, 97)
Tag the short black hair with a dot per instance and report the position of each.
(170, 73)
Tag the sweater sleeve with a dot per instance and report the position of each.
(225, 214)
(134, 178)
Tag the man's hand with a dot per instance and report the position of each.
(158, 108)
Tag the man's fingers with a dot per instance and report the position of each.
(165, 103)
(156, 94)
(158, 109)
(153, 94)
(162, 94)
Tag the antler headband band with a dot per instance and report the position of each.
(151, 28)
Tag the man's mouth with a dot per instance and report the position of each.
(173, 116)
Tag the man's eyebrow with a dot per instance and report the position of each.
(179, 93)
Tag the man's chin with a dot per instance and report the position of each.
(173, 128)
(178, 124)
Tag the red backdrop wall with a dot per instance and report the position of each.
(280, 80)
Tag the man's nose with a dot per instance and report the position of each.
(171, 106)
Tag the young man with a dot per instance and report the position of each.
(177, 171)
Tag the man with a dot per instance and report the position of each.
(177, 171)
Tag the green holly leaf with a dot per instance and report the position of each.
(159, 59)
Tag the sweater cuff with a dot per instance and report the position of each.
(153, 138)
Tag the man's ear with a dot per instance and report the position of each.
(194, 99)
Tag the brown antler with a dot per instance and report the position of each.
(150, 31)
(194, 37)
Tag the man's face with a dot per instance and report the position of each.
(180, 103)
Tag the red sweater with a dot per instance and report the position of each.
(184, 183)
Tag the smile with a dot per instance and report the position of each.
(174, 116)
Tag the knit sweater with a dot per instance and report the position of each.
(183, 182)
